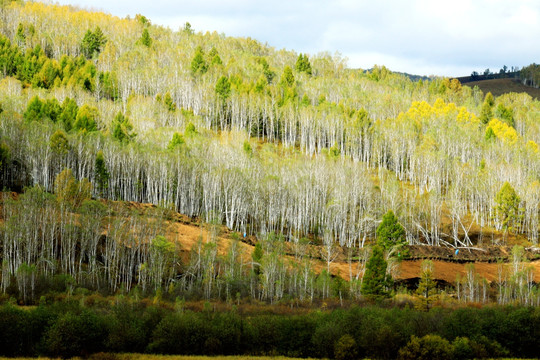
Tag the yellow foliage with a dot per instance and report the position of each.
(465, 117)
(503, 132)
(532, 146)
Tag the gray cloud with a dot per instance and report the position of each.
(417, 36)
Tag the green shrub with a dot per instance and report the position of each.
(426, 348)
(345, 348)
(75, 335)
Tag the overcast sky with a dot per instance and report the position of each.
(424, 37)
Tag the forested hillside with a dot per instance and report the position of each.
(287, 147)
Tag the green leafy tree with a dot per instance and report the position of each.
(334, 151)
(426, 348)
(214, 57)
(93, 42)
(376, 281)
(75, 335)
(489, 99)
(10, 57)
(69, 113)
(390, 233)
(145, 39)
(346, 348)
(247, 148)
(51, 109)
(303, 64)
(505, 114)
(257, 257)
(287, 78)
(109, 85)
(101, 175)
(507, 208)
(86, 119)
(48, 76)
(176, 141)
(223, 88)
(426, 287)
(486, 114)
(198, 64)
(59, 143)
(20, 36)
(267, 72)
(169, 103)
(34, 110)
(305, 100)
(122, 129)
(4, 153)
(490, 134)
(71, 192)
(190, 131)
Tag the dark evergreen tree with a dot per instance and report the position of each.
(92, 43)
(223, 88)
(376, 282)
(101, 175)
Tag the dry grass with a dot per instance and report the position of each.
(502, 86)
(162, 357)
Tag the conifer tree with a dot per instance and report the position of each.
(390, 233)
(223, 88)
(507, 207)
(86, 119)
(34, 110)
(303, 64)
(101, 175)
(145, 39)
(426, 287)
(198, 64)
(287, 78)
(93, 42)
(122, 130)
(376, 281)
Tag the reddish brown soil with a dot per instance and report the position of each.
(187, 232)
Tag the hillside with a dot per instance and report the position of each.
(500, 87)
(118, 135)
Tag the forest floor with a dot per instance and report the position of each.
(447, 265)
(187, 232)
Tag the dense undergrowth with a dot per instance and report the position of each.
(89, 324)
